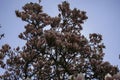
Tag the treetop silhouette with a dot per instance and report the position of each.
(58, 53)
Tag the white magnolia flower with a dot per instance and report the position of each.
(27, 78)
(107, 75)
(70, 77)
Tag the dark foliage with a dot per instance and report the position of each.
(57, 53)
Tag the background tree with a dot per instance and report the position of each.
(1, 34)
(58, 53)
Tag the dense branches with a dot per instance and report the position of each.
(58, 53)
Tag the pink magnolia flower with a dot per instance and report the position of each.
(80, 76)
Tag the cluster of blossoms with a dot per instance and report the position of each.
(114, 77)
(58, 53)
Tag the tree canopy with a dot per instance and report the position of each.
(60, 52)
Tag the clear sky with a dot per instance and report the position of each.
(103, 18)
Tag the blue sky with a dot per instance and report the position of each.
(103, 18)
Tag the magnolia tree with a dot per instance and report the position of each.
(59, 52)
